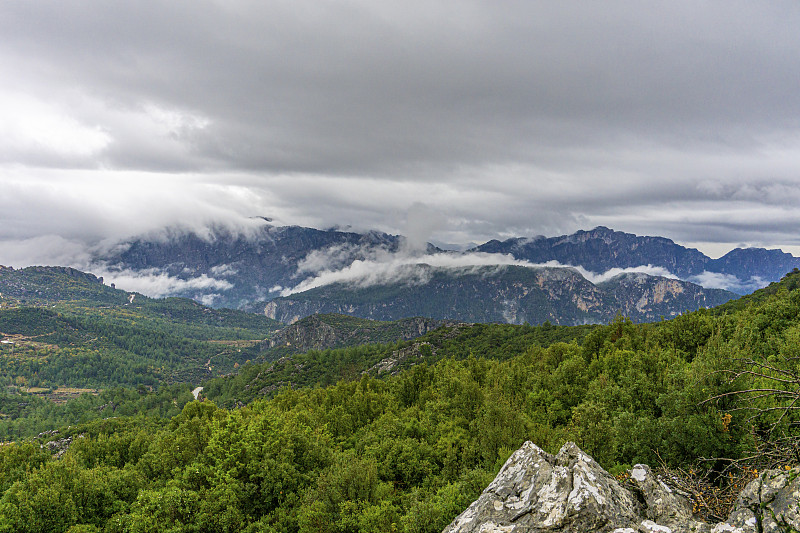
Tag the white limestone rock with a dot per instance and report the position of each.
(537, 492)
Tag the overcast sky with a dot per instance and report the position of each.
(470, 120)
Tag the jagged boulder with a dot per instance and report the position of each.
(536, 492)
(768, 504)
(57, 447)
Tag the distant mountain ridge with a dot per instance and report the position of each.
(223, 268)
(769, 265)
(510, 294)
(601, 249)
(256, 266)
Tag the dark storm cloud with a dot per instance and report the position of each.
(502, 118)
(372, 87)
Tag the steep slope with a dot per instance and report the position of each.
(326, 331)
(71, 291)
(508, 294)
(41, 285)
(249, 266)
(651, 297)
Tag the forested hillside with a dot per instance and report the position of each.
(327, 367)
(64, 333)
(409, 451)
(65, 328)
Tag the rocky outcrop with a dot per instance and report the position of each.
(536, 492)
(57, 447)
(769, 504)
(321, 332)
(639, 295)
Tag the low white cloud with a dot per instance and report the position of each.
(209, 299)
(650, 270)
(46, 250)
(339, 256)
(158, 284)
(393, 268)
(224, 270)
(421, 222)
(729, 282)
(386, 268)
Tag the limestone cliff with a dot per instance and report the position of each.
(510, 294)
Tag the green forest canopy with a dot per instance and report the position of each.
(408, 452)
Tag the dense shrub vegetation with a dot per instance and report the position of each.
(91, 344)
(408, 452)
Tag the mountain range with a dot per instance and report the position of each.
(292, 271)
(510, 294)
(226, 269)
(602, 249)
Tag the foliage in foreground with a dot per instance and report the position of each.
(408, 453)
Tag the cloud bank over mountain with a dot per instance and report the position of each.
(381, 267)
(474, 119)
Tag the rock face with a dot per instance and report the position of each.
(536, 492)
(769, 504)
(647, 298)
(510, 294)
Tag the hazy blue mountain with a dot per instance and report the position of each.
(602, 249)
(244, 272)
(256, 265)
(769, 265)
